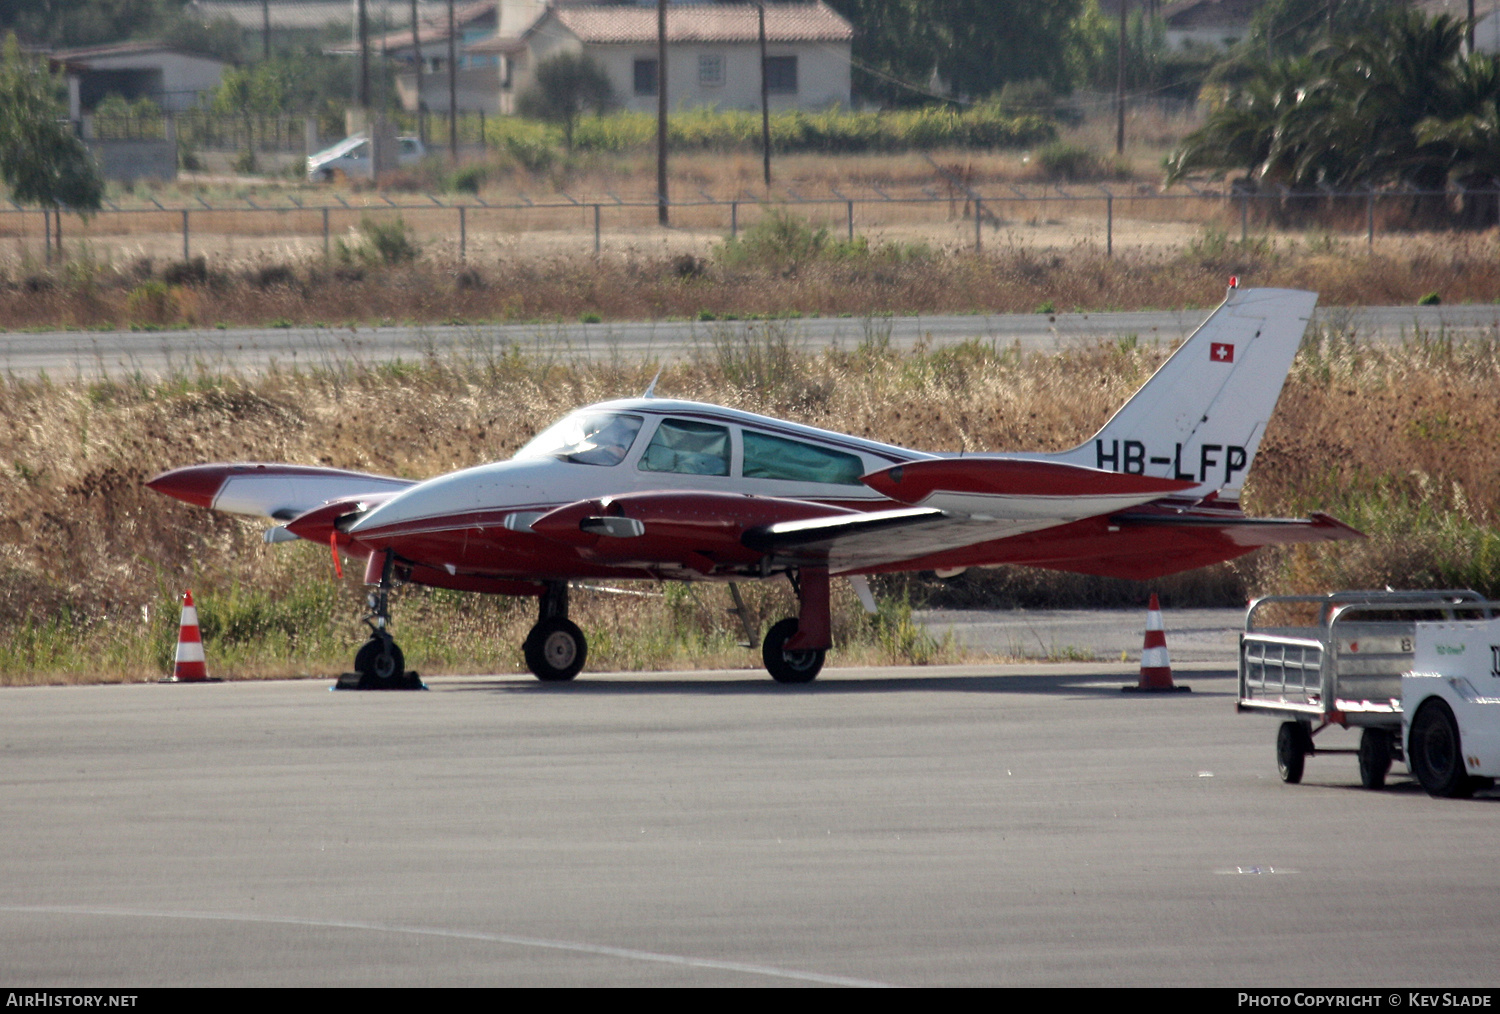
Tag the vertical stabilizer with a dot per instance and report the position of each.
(1201, 416)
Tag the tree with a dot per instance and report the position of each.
(249, 92)
(566, 85)
(41, 159)
(1399, 104)
(895, 49)
(975, 47)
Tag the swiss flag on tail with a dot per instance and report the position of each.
(1221, 352)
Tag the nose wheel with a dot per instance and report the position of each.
(380, 659)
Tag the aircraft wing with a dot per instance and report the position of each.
(280, 492)
(953, 503)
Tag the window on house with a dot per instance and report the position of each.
(710, 70)
(781, 75)
(645, 77)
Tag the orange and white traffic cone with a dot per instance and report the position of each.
(190, 666)
(1156, 666)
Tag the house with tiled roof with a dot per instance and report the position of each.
(713, 54)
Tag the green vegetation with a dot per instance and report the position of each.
(1397, 105)
(566, 85)
(830, 131)
(41, 160)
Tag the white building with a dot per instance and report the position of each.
(713, 56)
(171, 78)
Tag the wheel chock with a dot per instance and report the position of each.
(409, 680)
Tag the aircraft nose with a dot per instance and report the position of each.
(195, 484)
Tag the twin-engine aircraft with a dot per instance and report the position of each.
(654, 489)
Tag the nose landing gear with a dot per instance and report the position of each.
(380, 664)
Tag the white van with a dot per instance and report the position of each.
(351, 156)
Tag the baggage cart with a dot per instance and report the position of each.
(1316, 661)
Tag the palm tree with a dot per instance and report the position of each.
(1397, 105)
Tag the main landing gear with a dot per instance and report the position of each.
(380, 664)
(794, 648)
(555, 649)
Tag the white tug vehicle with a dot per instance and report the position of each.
(1418, 672)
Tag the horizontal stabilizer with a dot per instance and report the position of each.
(1252, 533)
(1017, 488)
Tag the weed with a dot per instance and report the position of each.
(387, 242)
(149, 303)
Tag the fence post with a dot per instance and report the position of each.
(734, 219)
(1244, 218)
(596, 230)
(1370, 220)
(47, 231)
(463, 234)
(851, 221)
(1109, 225)
(184, 234)
(325, 232)
(978, 223)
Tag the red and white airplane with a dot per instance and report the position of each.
(656, 489)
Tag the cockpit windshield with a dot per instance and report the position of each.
(587, 438)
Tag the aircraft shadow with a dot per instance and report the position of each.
(1071, 685)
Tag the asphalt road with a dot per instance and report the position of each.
(948, 826)
(66, 354)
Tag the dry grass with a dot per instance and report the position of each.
(1392, 439)
(868, 278)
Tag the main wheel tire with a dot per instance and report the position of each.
(1374, 757)
(555, 650)
(1435, 753)
(789, 666)
(1293, 744)
(380, 659)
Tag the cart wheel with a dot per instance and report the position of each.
(1436, 757)
(1374, 757)
(1293, 744)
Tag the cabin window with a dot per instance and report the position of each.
(768, 457)
(595, 438)
(688, 448)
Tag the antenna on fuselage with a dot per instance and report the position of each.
(651, 387)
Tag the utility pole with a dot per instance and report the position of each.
(1469, 31)
(661, 111)
(416, 45)
(1120, 86)
(765, 107)
(364, 57)
(452, 87)
(265, 21)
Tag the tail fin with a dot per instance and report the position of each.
(1201, 416)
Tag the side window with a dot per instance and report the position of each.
(781, 75)
(768, 457)
(710, 70)
(645, 77)
(688, 448)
